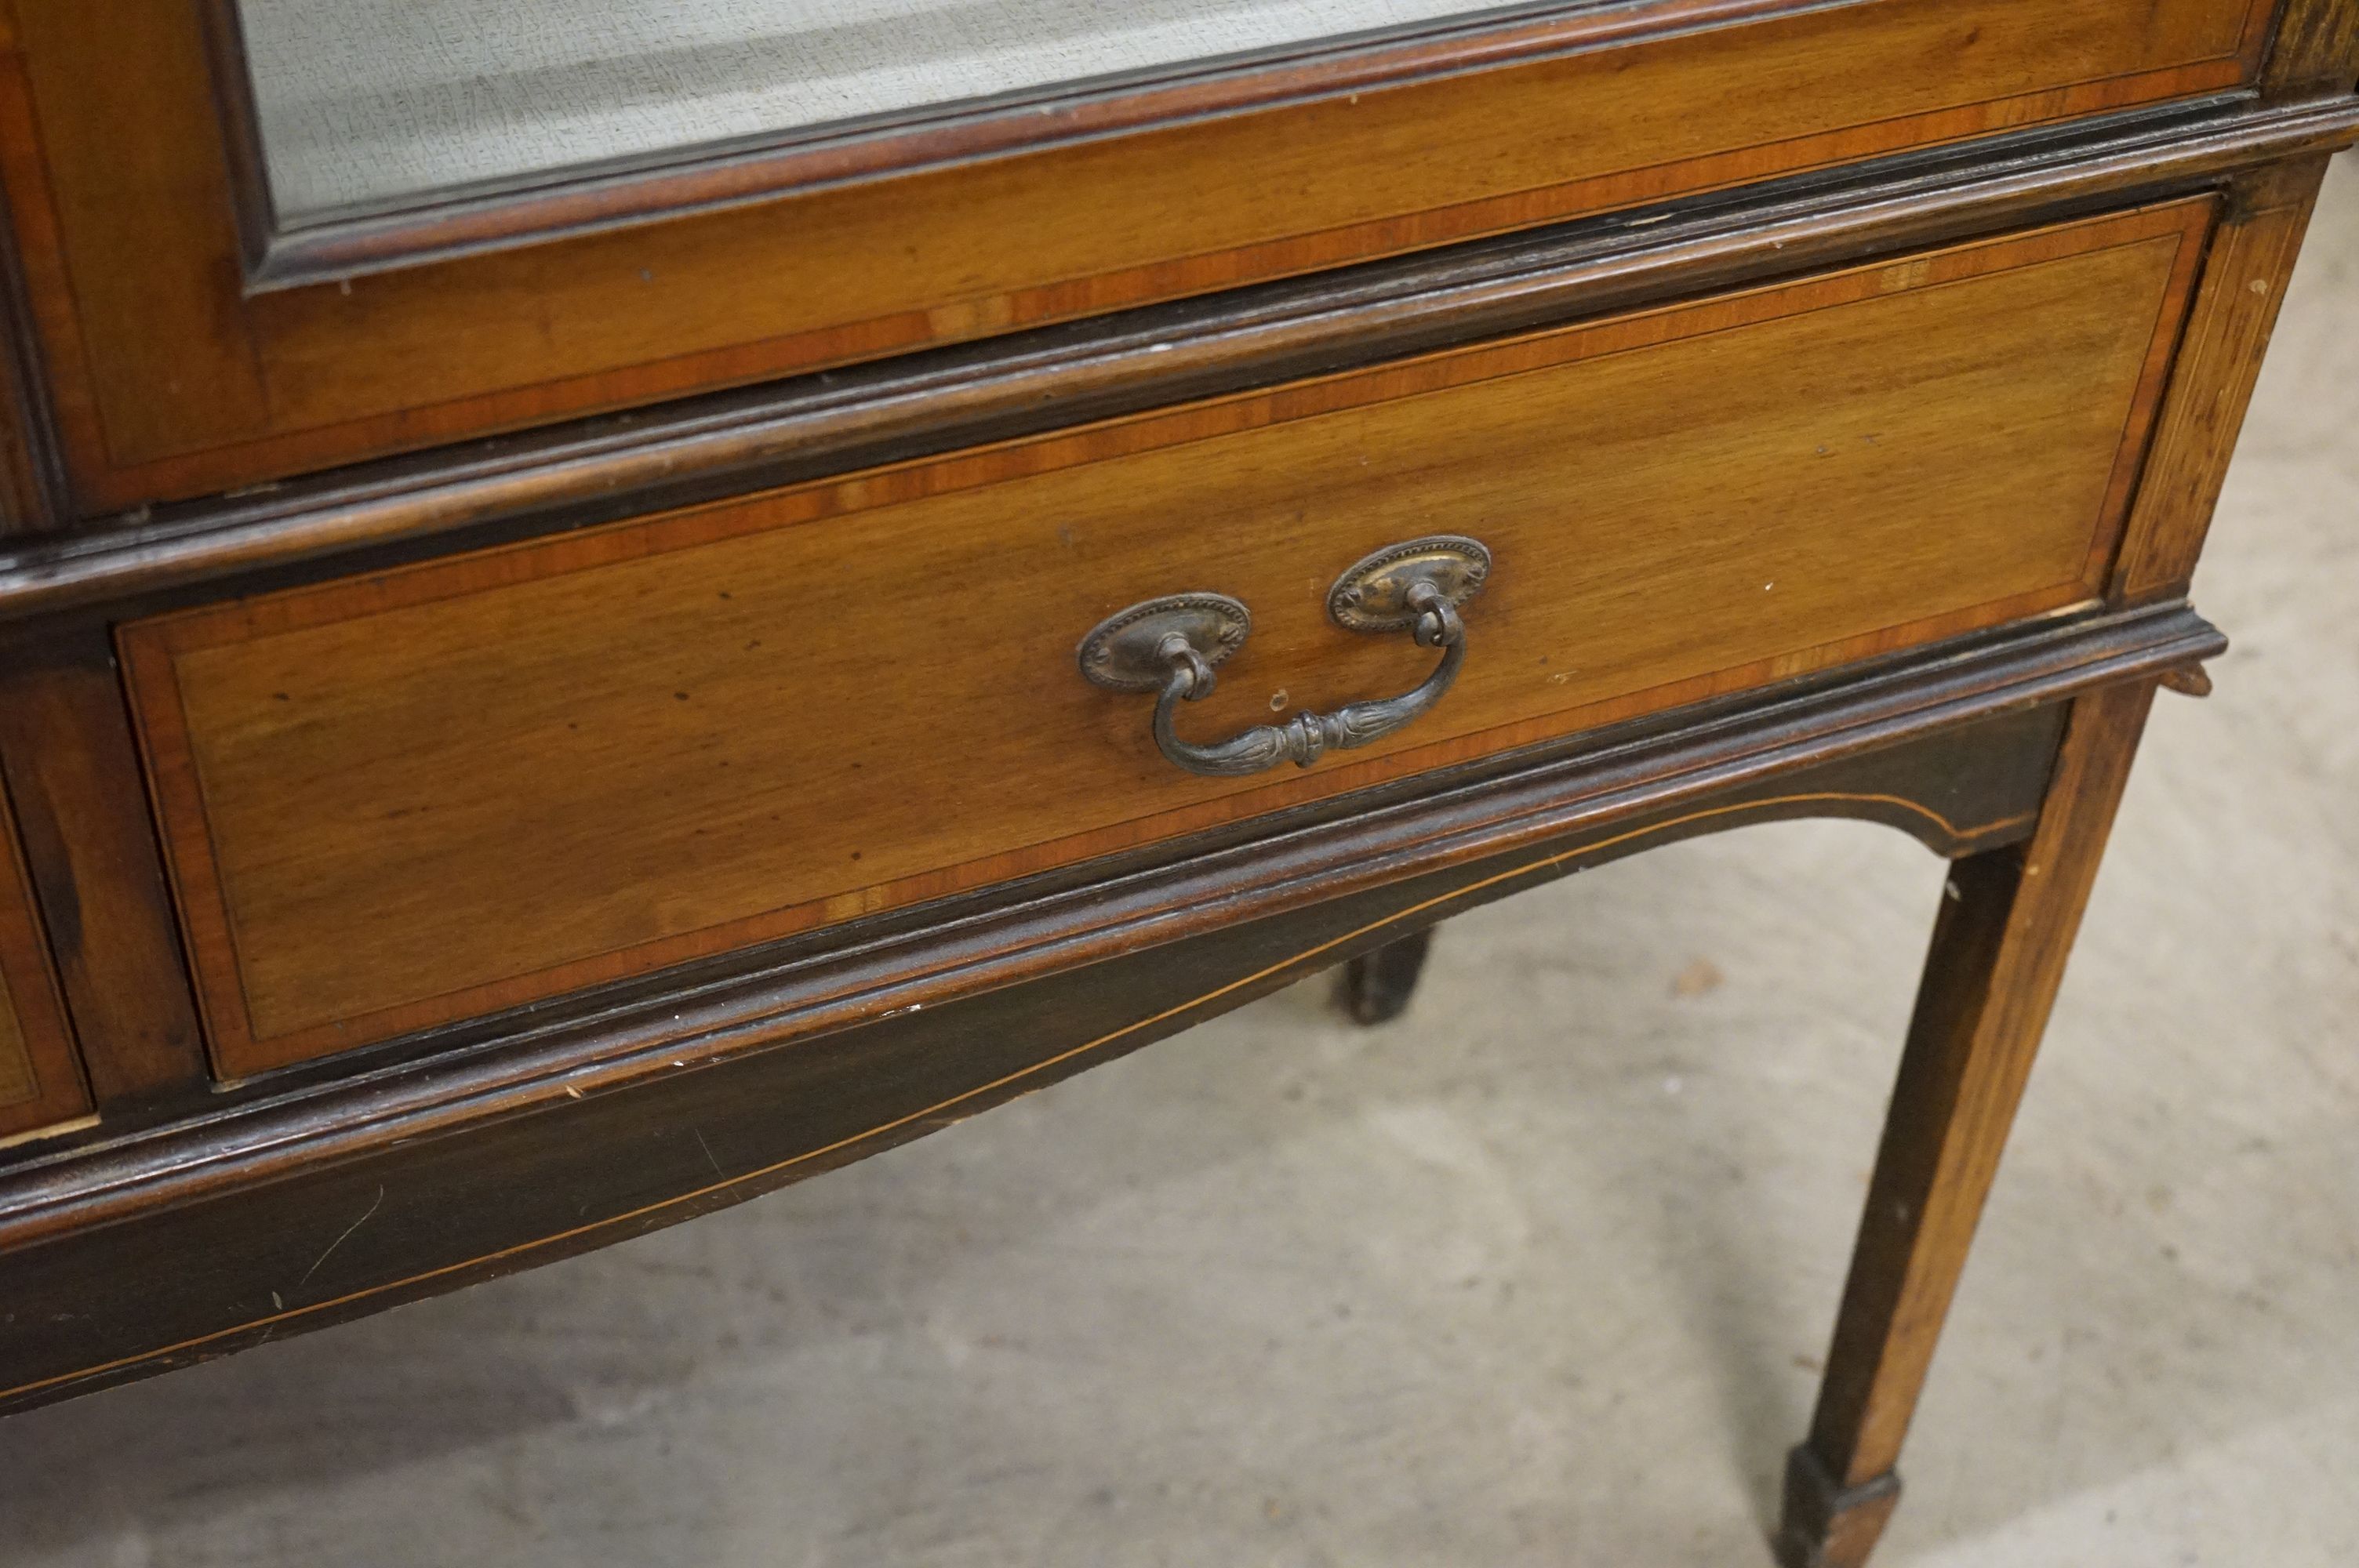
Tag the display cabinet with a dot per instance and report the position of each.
(604, 607)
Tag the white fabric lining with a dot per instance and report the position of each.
(367, 100)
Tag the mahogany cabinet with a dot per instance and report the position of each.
(605, 607)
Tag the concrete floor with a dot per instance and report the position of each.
(1539, 1276)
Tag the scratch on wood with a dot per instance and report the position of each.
(339, 1240)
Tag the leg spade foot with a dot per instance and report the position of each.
(1827, 1525)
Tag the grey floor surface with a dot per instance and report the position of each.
(1539, 1276)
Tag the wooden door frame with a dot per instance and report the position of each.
(170, 374)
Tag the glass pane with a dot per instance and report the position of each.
(376, 102)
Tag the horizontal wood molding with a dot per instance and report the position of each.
(610, 468)
(500, 1196)
(444, 1115)
(1862, 456)
(1023, 930)
(171, 381)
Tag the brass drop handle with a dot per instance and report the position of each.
(1170, 644)
(1305, 738)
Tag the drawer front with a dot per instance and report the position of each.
(398, 800)
(40, 1078)
(195, 384)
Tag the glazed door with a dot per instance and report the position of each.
(376, 105)
(291, 234)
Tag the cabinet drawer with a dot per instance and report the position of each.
(395, 801)
(195, 351)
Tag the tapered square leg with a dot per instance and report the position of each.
(1376, 987)
(2007, 920)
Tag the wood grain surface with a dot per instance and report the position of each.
(500, 489)
(2006, 928)
(169, 378)
(917, 960)
(40, 1079)
(922, 136)
(90, 844)
(396, 801)
(391, 1206)
(2316, 48)
(2236, 308)
(19, 1081)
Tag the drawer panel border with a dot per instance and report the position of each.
(151, 649)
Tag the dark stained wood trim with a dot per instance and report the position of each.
(923, 959)
(32, 475)
(33, 496)
(45, 335)
(595, 472)
(74, 776)
(424, 1214)
(1376, 986)
(2219, 362)
(2315, 47)
(54, 1093)
(241, 132)
(2006, 922)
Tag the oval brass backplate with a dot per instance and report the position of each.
(1121, 652)
(1373, 596)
